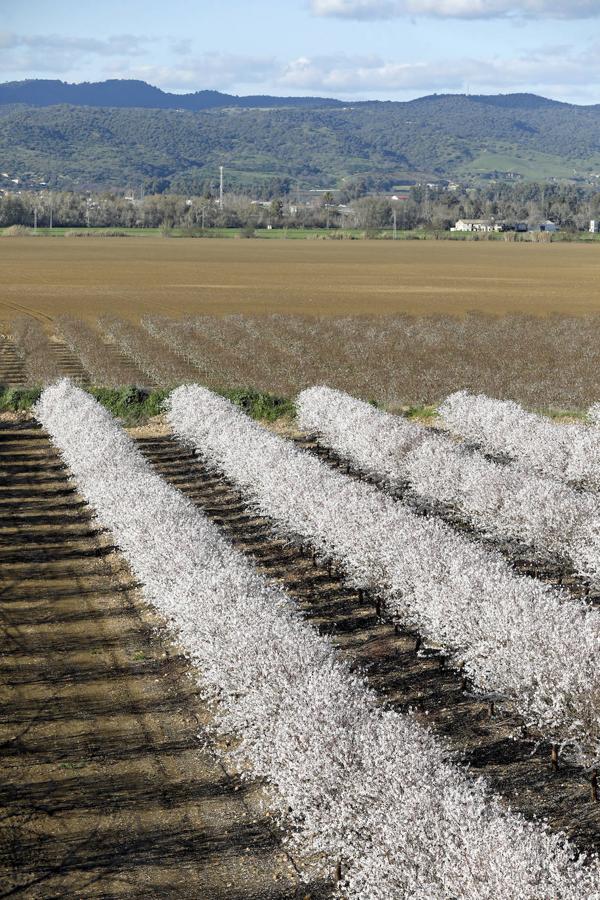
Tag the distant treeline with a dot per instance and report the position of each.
(421, 206)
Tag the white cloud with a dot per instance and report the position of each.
(551, 71)
(218, 71)
(460, 9)
(117, 45)
(128, 56)
(54, 54)
(357, 9)
(557, 71)
(554, 71)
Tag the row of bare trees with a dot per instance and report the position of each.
(395, 360)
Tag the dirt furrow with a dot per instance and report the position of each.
(68, 362)
(12, 372)
(110, 786)
(491, 742)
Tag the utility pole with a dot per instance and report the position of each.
(51, 211)
(395, 224)
(35, 218)
(544, 202)
(221, 187)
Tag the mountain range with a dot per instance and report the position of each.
(128, 92)
(116, 134)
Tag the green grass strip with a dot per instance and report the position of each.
(135, 405)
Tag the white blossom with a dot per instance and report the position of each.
(568, 452)
(369, 786)
(501, 500)
(593, 414)
(513, 635)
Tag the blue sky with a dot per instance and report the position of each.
(361, 49)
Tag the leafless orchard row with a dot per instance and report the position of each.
(397, 360)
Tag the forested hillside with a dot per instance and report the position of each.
(451, 136)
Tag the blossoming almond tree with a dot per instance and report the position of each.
(501, 500)
(358, 783)
(511, 634)
(593, 414)
(566, 452)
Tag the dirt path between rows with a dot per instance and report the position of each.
(496, 747)
(12, 370)
(109, 787)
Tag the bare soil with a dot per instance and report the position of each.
(67, 361)
(47, 277)
(12, 370)
(110, 785)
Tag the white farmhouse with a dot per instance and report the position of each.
(474, 225)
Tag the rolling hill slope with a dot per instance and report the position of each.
(312, 142)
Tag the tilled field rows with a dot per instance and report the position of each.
(68, 362)
(404, 678)
(12, 371)
(109, 786)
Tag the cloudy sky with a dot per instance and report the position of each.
(361, 49)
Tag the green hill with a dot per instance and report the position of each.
(445, 136)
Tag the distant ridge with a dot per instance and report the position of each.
(118, 93)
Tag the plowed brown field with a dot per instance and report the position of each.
(46, 277)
